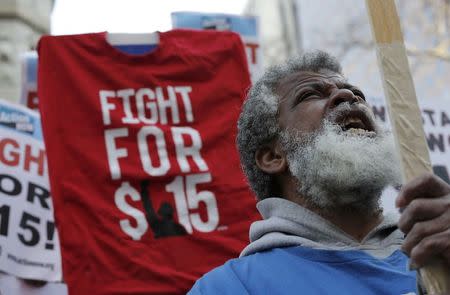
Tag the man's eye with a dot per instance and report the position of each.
(306, 95)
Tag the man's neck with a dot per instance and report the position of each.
(356, 222)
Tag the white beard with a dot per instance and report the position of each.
(336, 170)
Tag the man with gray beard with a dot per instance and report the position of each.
(340, 179)
(318, 162)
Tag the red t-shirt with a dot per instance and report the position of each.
(145, 176)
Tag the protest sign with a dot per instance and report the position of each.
(29, 245)
(147, 186)
(436, 123)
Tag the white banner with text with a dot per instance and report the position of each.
(29, 245)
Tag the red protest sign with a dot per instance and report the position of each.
(143, 168)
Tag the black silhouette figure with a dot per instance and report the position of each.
(163, 225)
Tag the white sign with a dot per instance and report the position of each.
(436, 123)
(246, 26)
(29, 244)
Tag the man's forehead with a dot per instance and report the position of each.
(306, 76)
(303, 78)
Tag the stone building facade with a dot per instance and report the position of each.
(22, 22)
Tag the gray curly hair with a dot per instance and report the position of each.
(258, 122)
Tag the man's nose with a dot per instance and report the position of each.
(342, 95)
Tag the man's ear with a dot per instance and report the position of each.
(271, 159)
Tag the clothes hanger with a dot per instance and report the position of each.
(117, 39)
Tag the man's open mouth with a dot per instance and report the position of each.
(356, 123)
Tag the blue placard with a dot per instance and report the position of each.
(244, 25)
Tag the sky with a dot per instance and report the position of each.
(129, 16)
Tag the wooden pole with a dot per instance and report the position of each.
(404, 114)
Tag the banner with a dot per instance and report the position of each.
(29, 245)
(147, 186)
(246, 26)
